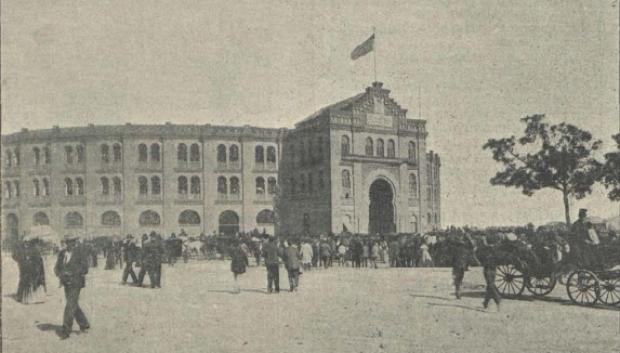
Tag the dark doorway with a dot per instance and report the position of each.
(229, 223)
(381, 210)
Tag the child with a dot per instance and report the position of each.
(238, 264)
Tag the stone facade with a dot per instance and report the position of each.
(115, 180)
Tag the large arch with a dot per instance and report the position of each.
(189, 218)
(228, 222)
(40, 219)
(74, 220)
(149, 218)
(381, 208)
(266, 217)
(111, 219)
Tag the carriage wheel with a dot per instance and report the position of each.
(540, 285)
(509, 281)
(582, 287)
(609, 291)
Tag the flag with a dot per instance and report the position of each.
(363, 48)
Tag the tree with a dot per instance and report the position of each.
(547, 156)
(610, 175)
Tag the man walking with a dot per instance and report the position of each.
(71, 267)
(271, 253)
(489, 262)
(291, 258)
(131, 256)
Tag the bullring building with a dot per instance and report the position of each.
(359, 164)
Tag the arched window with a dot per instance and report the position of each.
(222, 187)
(40, 219)
(36, 186)
(155, 155)
(234, 186)
(182, 152)
(117, 185)
(79, 186)
(293, 186)
(16, 188)
(182, 185)
(37, 155)
(266, 217)
(271, 185)
(310, 183)
(413, 185)
(369, 147)
(110, 219)
(142, 153)
(302, 183)
(105, 153)
(189, 218)
(345, 147)
(228, 223)
(116, 151)
(413, 153)
(105, 186)
(149, 218)
(8, 189)
(321, 180)
(46, 187)
(380, 148)
(391, 149)
(195, 185)
(259, 154)
(271, 154)
(221, 153)
(260, 186)
(16, 159)
(47, 154)
(8, 159)
(79, 151)
(234, 153)
(414, 223)
(143, 185)
(155, 185)
(194, 153)
(346, 179)
(68, 187)
(69, 154)
(73, 220)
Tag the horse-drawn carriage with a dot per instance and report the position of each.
(590, 272)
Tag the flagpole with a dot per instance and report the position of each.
(374, 52)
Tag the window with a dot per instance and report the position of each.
(234, 186)
(189, 218)
(117, 185)
(116, 151)
(391, 149)
(380, 148)
(46, 187)
(47, 155)
(155, 155)
(105, 153)
(69, 154)
(413, 186)
(142, 153)
(182, 185)
(195, 185)
(79, 186)
(310, 183)
(16, 188)
(234, 153)
(260, 186)
(182, 152)
(40, 219)
(344, 145)
(346, 179)
(221, 153)
(37, 188)
(271, 154)
(271, 185)
(221, 186)
(8, 189)
(155, 185)
(73, 220)
(37, 155)
(79, 151)
(412, 152)
(105, 186)
(321, 180)
(228, 223)
(265, 217)
(68, 187)
(369, 147)
(414, 223)
(259, 154)
(143, 185)
(110, 219)
(16, 159)
(194, 153)
(9, 159)
(149, 218)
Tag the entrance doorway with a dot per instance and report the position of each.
(381, 209)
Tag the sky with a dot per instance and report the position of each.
(474, 67)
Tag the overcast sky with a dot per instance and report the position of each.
(480, 65)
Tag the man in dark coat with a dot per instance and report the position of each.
(131, 256)
(489, 260)
(152, 254)
(71, 267)
(460, 249)
(271, 253)
(292, 259)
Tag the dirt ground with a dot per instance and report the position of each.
(335, 310)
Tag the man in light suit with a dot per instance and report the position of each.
(71, 267)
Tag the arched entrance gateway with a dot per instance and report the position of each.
(381, 209)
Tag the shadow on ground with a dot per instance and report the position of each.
(528, 298)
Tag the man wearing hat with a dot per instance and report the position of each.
(272, 254)
(71, 267)
(131, 256)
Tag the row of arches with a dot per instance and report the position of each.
(381, 149)
(74, 154)
(74, 186)
(193, 155)
(11, 189)
(12, 157)
(116, 185)
(116, 155)
(41, 187)
(144, 153)
(41, 156)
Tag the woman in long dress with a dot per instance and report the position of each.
(238, 264)
(31, 287)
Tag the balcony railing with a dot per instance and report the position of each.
(188, 165)
(228, 197)
(230, 165)
(110, 198)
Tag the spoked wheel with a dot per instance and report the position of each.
(540, 285)
(509, 281)
(609, 291)
(582, 287)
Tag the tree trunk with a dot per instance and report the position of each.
(566, 208)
